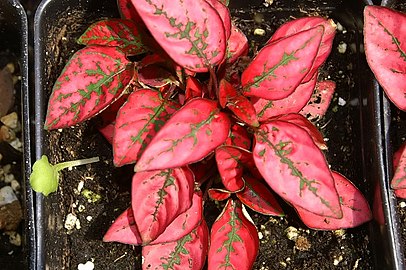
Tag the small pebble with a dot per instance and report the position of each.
(7, 195)
(10, 120)
(341, 102)
(70, 221)
(259, 32)
(292, 233)
(87, 266)
(402, 204)
(8, 178)
(14, 238)
(15, 185)
(89, 218)
(342, 47)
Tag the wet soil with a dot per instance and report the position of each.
(347, 249)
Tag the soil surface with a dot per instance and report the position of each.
(96, 194)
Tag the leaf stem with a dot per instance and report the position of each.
(74, 163)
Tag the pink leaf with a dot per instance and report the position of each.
(237, 44)
(224, 13)
(385, 49)
(184, 223)
(256, 196)
(114, 33)
(302, 122)
(234, 240)
(353, 204)
(92, 79)
(282, 65)
(293, 103)
(190, 31)
(219, 194)
(301, 24)
(189, 252)
(239, 137)
(230, 164)
(154, 76)
(295, 168)
(138, 120)
(321, 98)
(399, 164)
(124, 230)
(237, 103)
(158, 198)
(188, 136)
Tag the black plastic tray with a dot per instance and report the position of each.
(14, 39)
(384, 237)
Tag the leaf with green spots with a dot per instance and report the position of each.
(280, 66)
(191, 32)
(237, 103)
(320, 100)
(399, 167)
(224, 13)
(92, 79)
(385, 50)
(301, 121)
(124, 230)
(158, 198)
(293, 103)
(189, 252)
(114, 33)
(295, 168)
(137, 122)
(305, 23)
(239, 137)
(355, 208)
(184, 223)
(188, 136)
(259, 198)
(234, 242)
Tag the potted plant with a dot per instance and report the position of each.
(17, 234)
(83, 191)
(381, 32)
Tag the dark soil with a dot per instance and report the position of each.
(347, 249)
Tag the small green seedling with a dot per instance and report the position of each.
(45, 176)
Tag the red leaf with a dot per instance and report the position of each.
(311, 129)
(114, 33)
(218, 194)
(184, 223)
(399, 164)
(92, 79)
(237, 103)
(353, 204)
(138, 120)
(193, 88)
(234, 240)
(293, 103)
(282, 65)
(124, 230)
(188, 136)
(301, 24)
(321, 98)
(237, 44)
(224, 13)
(128, 11)
(230, 164)
(108, 117)
(202, 170)
(295, 168)
(154, 76)
(190, 252)
(400, 193)
(257, 197)
(385, 50)
(158, 198)
(190, 31)
(239, 137)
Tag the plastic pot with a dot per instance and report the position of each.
(14, 43)
(58, 23)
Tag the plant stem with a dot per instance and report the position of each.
(74, 163)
